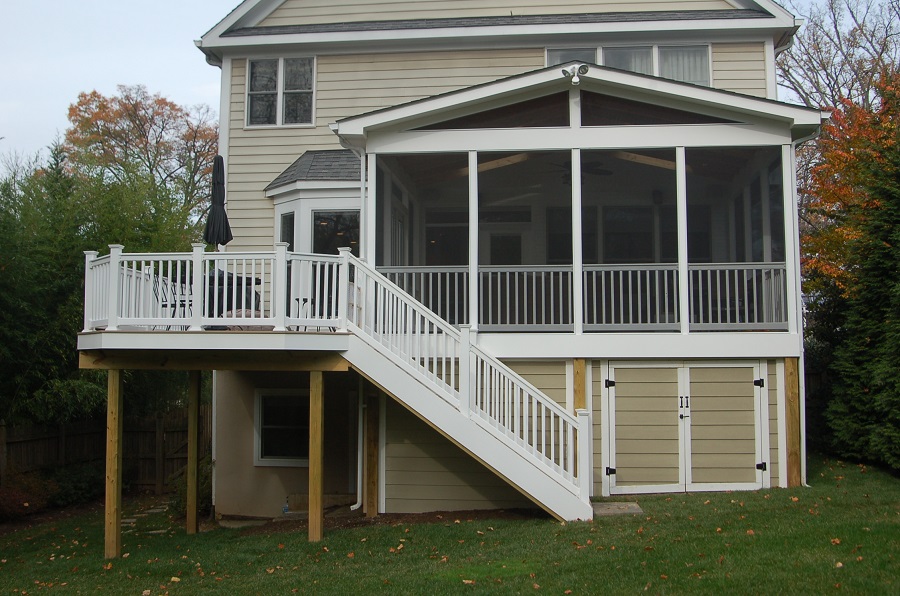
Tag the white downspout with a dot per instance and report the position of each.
(359, 448)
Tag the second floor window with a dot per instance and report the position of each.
(280, 92)
(689, 64)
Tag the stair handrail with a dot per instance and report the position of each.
(511, 422)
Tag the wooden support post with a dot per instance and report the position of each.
(192, 449)
(316, 455)
(370, 502)
(160, 454)
(114, 428)
(792, 404)
(3, 453)
(579, 377)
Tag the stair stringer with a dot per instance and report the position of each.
(471, 434)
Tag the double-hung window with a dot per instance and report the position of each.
(280, 91)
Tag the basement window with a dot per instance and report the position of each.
(282, 428)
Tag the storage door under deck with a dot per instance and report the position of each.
(685, 427)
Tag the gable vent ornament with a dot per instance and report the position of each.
(573, 72)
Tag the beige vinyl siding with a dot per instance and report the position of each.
(310, 12)
(646, 426)
(424, 471)
(723, 425)
(597, 404)
(772, 401)
(345, 86)
(547, 375)
(740, 67)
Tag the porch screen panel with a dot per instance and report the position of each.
(629, 240)
(525, 240)
(736, 240)
(723, 425)
(424, 231)
(646, 426)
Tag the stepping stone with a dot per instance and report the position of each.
(608, 509)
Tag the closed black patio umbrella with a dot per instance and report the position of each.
(218, 230)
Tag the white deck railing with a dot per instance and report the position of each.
(211, 291)
(295, 291)
(738, 296)
(631, 297)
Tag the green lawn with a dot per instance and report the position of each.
(843, 534)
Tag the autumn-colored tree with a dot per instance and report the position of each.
(854, 262)
(161, 152)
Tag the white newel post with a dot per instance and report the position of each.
(89, 256)
(343, 287)
(584, 453)
(279, 286)
(112, 304)
(466, 383)
(196, 307)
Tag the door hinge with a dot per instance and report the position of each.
(759, 383)
(610, 471)
(761, 466)
(609, 383)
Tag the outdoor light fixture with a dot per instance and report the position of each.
(572, 72)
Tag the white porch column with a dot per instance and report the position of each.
(577, 247)
(684, 306)
(794, 299)
(369, 230)
(474, 315)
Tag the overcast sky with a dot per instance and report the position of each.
(56, 49)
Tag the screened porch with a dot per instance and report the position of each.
(661, 239)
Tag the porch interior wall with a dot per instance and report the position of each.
(260, 491)
(426, 472)
(295, 12)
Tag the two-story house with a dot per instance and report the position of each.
(572, 266)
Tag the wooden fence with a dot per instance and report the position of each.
(155, 449)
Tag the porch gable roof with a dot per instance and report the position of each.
(802, 120)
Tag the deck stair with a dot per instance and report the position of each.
(472, 398)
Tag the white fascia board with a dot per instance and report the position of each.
(312, 186)
(639, 346)
(246, 14)
(491, 33)
(357, 127)
(211, 340)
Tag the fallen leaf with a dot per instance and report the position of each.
(145, 593)
(175, 579)
(795, 499)
(838, 564)
(664, 576)
(270, 570)
(537, 587)
(835, 541)
(350, 555)
(108, 566)
(719, 530)
(468, 582)
(750, 533)
(281, 546)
